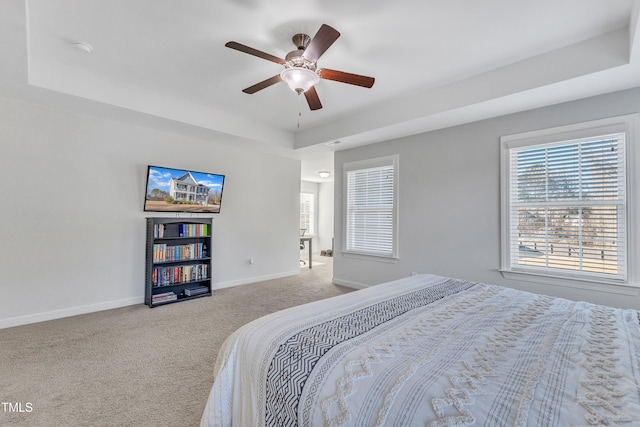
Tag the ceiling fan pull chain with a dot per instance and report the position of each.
(299, 109)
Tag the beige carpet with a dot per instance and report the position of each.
(136, 366)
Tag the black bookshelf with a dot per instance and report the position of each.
(178, 260)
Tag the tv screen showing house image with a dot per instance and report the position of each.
(178, 190)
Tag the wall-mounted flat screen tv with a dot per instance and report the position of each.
(179, 190)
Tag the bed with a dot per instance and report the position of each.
(431, 351)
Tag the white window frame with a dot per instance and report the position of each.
(360, 166)
(312, 214)
(622, 124)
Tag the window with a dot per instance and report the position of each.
(371, 207)
(306, 213)
(565, 201)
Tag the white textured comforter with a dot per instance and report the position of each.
(431, 351)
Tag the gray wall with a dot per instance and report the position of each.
(449, 200)
(72, 229)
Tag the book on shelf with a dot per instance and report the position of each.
(164, 297)
(182, 229)
(193, 230)
(158, 231)
(165, 294)
(196, 291)
(165, 253)
(166, 276)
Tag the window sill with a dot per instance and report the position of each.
(370, 257)
(611, 287)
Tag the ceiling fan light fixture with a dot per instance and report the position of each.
(299, 79)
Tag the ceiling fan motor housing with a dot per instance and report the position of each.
(295, 59)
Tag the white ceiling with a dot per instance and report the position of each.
(437, 63)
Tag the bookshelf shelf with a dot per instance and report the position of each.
(178, 260)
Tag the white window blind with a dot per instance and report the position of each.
(567, 210)
(370, 209)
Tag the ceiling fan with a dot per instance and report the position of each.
(301, 72)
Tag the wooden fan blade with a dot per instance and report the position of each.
(312, 99)
(341, 76)
(263, 84)
(254, 52)
(324, 38)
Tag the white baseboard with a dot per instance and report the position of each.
(91, 308)
(254, 279)
(67, 312)
(348, 283)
